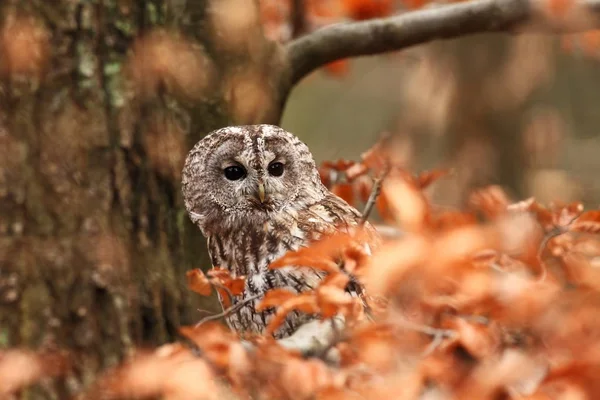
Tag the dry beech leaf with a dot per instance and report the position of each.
(377, 158)
(356, 171)
(492, 201)
(275, 298)
(344, 191)
(324, 253)
(198, 282)
(448, 220)
(588, 221)
(304, 302)
(407, 203)
(171, 372)
(478, 339)
(427, 178)
(338, 68)
(565, 215)
(383, 208)
(21, 368)
(223, 279)
(302, 378)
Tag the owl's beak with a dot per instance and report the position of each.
(261, 192)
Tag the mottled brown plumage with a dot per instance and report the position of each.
(257, 217)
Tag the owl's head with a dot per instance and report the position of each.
(251, 172)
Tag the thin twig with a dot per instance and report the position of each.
(375, 192)
(427, 330)
(438, 335)
(229, 311)
(225, 289)
(435, 343)
(556, 231)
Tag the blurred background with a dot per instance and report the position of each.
(520, 112)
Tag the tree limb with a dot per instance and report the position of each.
(228, 311)
(354, 39)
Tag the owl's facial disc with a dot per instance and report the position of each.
(251, 185)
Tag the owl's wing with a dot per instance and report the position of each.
(333, 214)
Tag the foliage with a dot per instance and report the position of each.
(496, 300)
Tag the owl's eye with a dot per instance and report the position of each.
(276, 169)
(234, 172)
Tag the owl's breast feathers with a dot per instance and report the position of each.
(248, 247)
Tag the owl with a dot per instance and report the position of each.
(255, 193)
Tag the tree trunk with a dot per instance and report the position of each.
(94, 240)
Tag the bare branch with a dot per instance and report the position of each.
(377, 36)
(229, 311)
(375, 192)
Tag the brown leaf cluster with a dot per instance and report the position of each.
(20, 368)
(218, 278)
(169, 372)
(353, 181)
(498, 300)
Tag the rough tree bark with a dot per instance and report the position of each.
(94, 127)
(94, 241)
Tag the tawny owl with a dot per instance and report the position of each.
(255, 192)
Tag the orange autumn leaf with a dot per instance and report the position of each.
(344, 191)
(236, 286)
(323, 254)
(414, 4)
(368, 9)
(364, 186)
(337, 68)
(326, 176)
(355, 171)
(425, 179)
(305, 260)
(333, 299)
(492, 201)
(406, 203)
(198, 282)
(383, 208)
(20, 368)
(304, 302)
(275, 298)
(222, 278)
(447, 220)
(224, 296)
(588, 221)
(376, 158)
(478, 339)
(564, 215)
